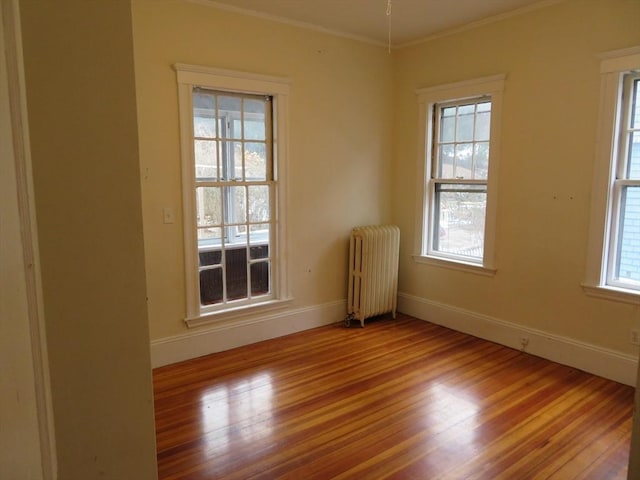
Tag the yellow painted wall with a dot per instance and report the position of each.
(339, 150)
(549, 123)
(80, 87)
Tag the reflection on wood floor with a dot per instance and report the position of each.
(401, 399)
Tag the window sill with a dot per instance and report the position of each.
(455, 265)
(247, 312)
(612, 293)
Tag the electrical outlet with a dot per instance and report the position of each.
(635, 336)
(524, 341)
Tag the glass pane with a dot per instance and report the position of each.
(464, 156)
(232, 161)
(446, 161)
(484, 107)
(633, 164)
(230, 107)
(206, 157)
(447, 128)
(238, 206)
(259, 278)
(483, 124)
(254, 119)
(236, 273)
(209, 257)
(460, 222)
(464, 132)
(628, 266)
(209, 236)
(204, 126)
(211, 286)
(259, 241)
(259, 203)
(259, 246)
(481, 161)
(208, 206)
(238, 164)
(236, 128)
(255, 161)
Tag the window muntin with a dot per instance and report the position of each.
(623, 265)
(458, 181)
(234, 192)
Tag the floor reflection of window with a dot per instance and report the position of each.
(453, 414)
(241, 410)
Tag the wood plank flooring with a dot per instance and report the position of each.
(399, 399)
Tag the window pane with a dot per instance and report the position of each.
(633, 164)
(260, 278)
(232, 161)
(483, 124)
(230, 107)
(204, 126)
(484, 107)
(628, 265)
(460, 214)
(208, 206)
(206, 158)
(209, 235)
(464, 157)
(211, 286)
(481, 161)
(259, 251)
(259, 203)
(259, 236)
(255, 161)
(446, 161)
(238, 205)
(448, 127)
(464, 132)
(209, 257)
(254, 119)
(236, 273)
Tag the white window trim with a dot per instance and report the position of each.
(427, 98)
(189, 76)
(612, 67)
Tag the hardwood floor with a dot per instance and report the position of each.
(401, 399)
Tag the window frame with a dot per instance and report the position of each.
(189, 77)
(428, 100)
(605, 200)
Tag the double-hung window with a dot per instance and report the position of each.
(232, 138)
(459, 128)
(623, 268)
(613, 262)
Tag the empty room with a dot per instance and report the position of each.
(198, 168)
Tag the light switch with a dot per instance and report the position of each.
(167, 215)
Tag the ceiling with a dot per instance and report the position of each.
(410, 20)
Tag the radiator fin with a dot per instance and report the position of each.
(373, 271)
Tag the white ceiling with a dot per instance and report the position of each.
(411, 20)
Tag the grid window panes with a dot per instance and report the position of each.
(624, 244)
(458, 179)
(234, 192)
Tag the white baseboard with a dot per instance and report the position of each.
(583, 356)
(217, 338)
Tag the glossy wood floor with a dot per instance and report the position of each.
(400, 399)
